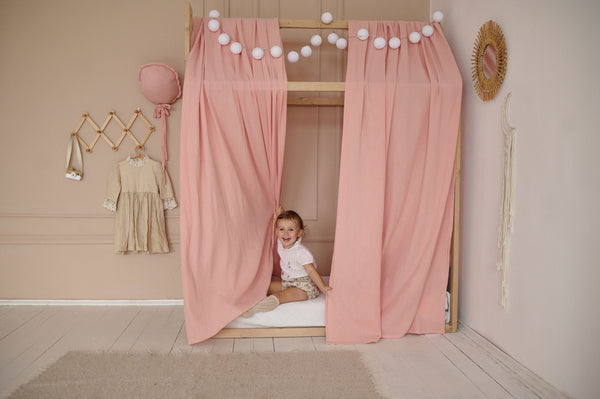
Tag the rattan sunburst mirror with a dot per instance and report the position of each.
(489, 60)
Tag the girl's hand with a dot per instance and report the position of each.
(316, 278)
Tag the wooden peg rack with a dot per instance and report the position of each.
(85, 117)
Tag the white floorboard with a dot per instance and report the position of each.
(461, 365)
(471, 370)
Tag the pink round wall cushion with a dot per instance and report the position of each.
(159, 83)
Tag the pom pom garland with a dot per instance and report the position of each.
(257, 53)
(316, 40)
(213, 25)
(276, 51)
(379, 42)
(223, 39)
(306, 51)
(341, 43)
(362, 34)
(394, 43)
(414, 37)
(235, 48)
(427, 30)
(326, 18)
(293, 56)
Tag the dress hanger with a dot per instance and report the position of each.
(138, 154)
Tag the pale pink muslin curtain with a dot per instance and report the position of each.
(394, 221)
(232, 142)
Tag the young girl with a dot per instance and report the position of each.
(299, 277)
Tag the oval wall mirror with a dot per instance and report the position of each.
(489, 60)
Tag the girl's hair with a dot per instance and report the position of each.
(290, 215)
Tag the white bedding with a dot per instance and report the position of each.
(309, 313)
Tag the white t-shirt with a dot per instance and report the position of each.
(293, 260)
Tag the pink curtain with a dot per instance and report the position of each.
(232, 142)
(394, 221)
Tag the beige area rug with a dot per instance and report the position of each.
(331, 374)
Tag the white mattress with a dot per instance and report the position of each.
(310, 313)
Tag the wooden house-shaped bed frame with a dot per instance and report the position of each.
(452, 326)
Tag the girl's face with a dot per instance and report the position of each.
(288, 232)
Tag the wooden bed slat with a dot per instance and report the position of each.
(283, 332)
(317, 86)
(311, 24)
(322, 101)
(275, 332)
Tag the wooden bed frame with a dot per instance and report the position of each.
(452, 326)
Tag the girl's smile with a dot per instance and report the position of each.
(288, 232)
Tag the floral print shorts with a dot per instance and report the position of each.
(304, 283)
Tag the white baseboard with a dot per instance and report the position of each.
(91, 302)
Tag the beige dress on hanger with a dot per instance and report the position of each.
(139, 194)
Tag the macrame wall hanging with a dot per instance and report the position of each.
(506, 211)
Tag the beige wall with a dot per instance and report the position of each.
(552, 318)
(61, 58)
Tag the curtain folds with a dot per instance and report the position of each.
(395, 202)
(232, 142)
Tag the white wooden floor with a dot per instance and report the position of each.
(460, 365)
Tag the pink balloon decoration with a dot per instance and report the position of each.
(160, 84)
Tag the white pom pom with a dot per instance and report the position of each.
(223, 39)
(427, 30)
(438, 16)
(235, 48)
(341, 43)
(257, 53)
(332, 38)
(394, 42)
(213, 25)
(326, 18)
(379, 43)
(362, 34)
(316, 40)
(276, 51)
(293, 56)
(214, 14)
(414, 37)
(306, 51)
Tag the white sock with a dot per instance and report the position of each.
(265, 305)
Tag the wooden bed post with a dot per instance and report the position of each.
(188, 24)
(455, 245)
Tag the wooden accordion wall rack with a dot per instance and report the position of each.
(452, 326)
(139, 144)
